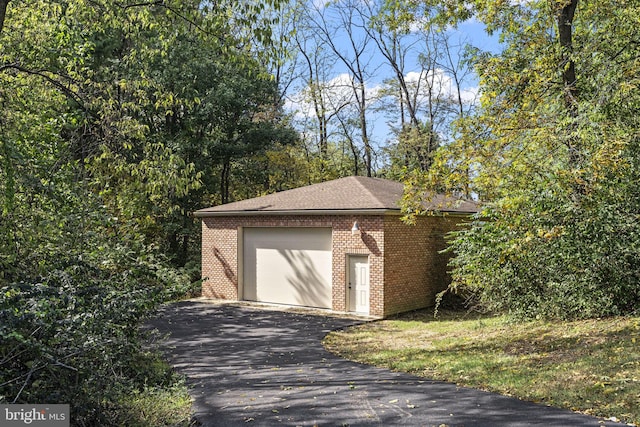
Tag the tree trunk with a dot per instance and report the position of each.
(565, 34)
(565, 37)
(224, 181)
(3, 12)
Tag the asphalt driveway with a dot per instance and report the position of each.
(250, 366)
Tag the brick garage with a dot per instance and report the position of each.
(251, 249)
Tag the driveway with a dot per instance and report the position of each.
(247, 366)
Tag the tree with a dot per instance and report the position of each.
(325, 96)
(346, 20)
(413, 151)
(389, 33)
(113, 117)
(553, 149)
(428, 101)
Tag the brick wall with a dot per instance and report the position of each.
(220, 252)
(415, 271)
(220, 258)
(405, 270)
(370, 241)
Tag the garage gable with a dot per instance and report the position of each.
(285, 265)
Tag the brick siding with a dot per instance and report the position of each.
(405, 270)
(415, 271)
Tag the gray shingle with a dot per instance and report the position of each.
(344, 194)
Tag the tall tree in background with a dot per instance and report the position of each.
(391, 35)
(340, 26)
(554, 154)
(426, 100)
(325, 94)
(363, 60)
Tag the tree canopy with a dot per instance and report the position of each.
(553, 151)
(116, 120)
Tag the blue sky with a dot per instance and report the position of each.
(336, 76)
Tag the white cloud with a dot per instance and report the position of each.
(470, 95)
(437, 84)
(337, 94)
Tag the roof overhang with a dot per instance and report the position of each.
(297, 212)
(292, 212)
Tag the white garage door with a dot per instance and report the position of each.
(288, 266)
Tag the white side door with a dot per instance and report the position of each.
(358, 284)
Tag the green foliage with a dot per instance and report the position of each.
(548, 260)
(158, 100)
(414, 150)
(554, 161)
(71, 302)
(113, 121)
(68, 337)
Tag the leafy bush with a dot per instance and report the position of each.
(70, 334)
(541, 256)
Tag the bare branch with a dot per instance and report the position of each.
(26, 381)
(46, 75)
(59, 363)
(148, 3)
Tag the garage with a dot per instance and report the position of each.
(287, 265)
(340, 245)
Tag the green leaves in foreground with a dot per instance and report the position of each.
(72, 337)
(551, 260)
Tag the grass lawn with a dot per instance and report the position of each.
(591, 366)
(163, 404)
(160, 407)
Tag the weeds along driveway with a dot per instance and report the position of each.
(250, 366)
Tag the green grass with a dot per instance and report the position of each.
(157, 406)
(591, 366)
(162, 402)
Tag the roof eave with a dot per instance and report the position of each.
(206, 214)
(378, 211)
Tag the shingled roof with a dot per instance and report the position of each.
(350, 194)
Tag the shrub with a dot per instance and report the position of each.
(545, 257)
(72, 335)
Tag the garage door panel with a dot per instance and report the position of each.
(288, 266)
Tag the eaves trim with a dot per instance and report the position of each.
(206, 214)
(292, 212)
